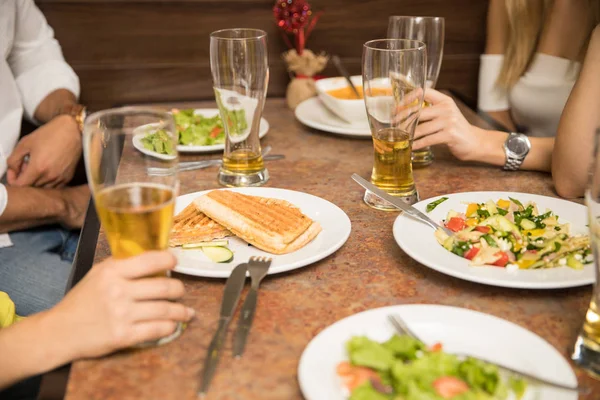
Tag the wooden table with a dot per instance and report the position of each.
(369, 271)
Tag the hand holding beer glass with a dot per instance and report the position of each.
(240, 70)
(429, 30)
(393, 82)
(135, 209)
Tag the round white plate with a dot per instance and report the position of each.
(336, 230)
(460, 330)
(205, 112)
(313, 113)
(417, 240)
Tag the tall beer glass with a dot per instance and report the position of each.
(587, 347)
(393, 82)
(135, 209)
(429, 30)
(240, 70)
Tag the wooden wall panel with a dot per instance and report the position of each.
(149, 50)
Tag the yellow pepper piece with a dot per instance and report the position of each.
(503, 204)
(7, 311)
(525, 264)
(471, 221)
(471, 209)
(517, 246)
(534, 232)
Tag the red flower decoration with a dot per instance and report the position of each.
(294, 17)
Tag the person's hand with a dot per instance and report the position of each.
(443, 122)
(76, 200)
(116, 305)
(54, 150)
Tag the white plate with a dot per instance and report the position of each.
(460, 330)
(417, 240)
(335, 223)
(205, 112)
(314, 114)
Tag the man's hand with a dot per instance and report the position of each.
(54, 150)
(76, 200)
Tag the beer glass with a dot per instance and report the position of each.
(240, 71)
(429, 30)
(586, 351)
(135, 209)
(393, 83)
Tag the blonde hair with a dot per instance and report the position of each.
(525, 23)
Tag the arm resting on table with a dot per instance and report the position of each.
(28, 207)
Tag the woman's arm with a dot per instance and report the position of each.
(492, 99)
(128, 308)
(581, 117)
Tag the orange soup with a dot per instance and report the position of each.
(346, 93)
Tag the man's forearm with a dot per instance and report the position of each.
(54, 104)
(28, 207)
(30, 347)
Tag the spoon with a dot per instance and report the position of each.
(338, 64)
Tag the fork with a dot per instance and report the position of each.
(258, 268)
(403, 329)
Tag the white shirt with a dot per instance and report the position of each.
(538, 98)
(31, 68)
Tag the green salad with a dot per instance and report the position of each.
(195, 130)
(403, 368)
(159, 142)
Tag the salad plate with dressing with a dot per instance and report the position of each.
(198, 131)
(503, 239)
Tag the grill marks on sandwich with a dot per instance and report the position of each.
(273, 217)
(192, 226)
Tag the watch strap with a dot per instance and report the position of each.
(513, 162)
(77, 111)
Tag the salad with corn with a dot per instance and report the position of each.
(512, 235)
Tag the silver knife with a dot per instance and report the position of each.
(408, 209)
(231, 295)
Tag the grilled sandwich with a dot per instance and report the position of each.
(272, 225)
(192, 226)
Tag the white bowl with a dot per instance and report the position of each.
(351, 111)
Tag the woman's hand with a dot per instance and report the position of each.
(443, 122)
(117, 304)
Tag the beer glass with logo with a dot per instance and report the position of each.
(134, 207)
(393, 82)
(240, 71)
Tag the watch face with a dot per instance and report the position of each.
(518, 145)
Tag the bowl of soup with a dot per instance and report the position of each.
(339, 97)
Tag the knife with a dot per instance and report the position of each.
(408, 209)
(231, 295)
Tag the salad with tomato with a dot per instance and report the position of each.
(198, 130)
(403, 368)
(509, 234)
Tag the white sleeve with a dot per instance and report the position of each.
(490, 97)
(3, 198)
(36, 59)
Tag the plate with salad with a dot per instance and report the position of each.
(361, 357)
(198, 131)
(504, 239)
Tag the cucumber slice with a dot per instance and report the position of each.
(218, 254)
(527, 224)
(216, 243)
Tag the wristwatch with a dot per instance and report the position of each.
(77, 111)
(516, 148)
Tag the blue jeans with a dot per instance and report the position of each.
(34, 272)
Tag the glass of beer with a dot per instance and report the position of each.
(393, 84)
(429, 30)
(586, 351)
(135, 208)
(240, 70)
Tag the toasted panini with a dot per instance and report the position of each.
(193, 226)
(273, 225)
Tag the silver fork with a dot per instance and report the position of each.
(403, 329)
(258, 268)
